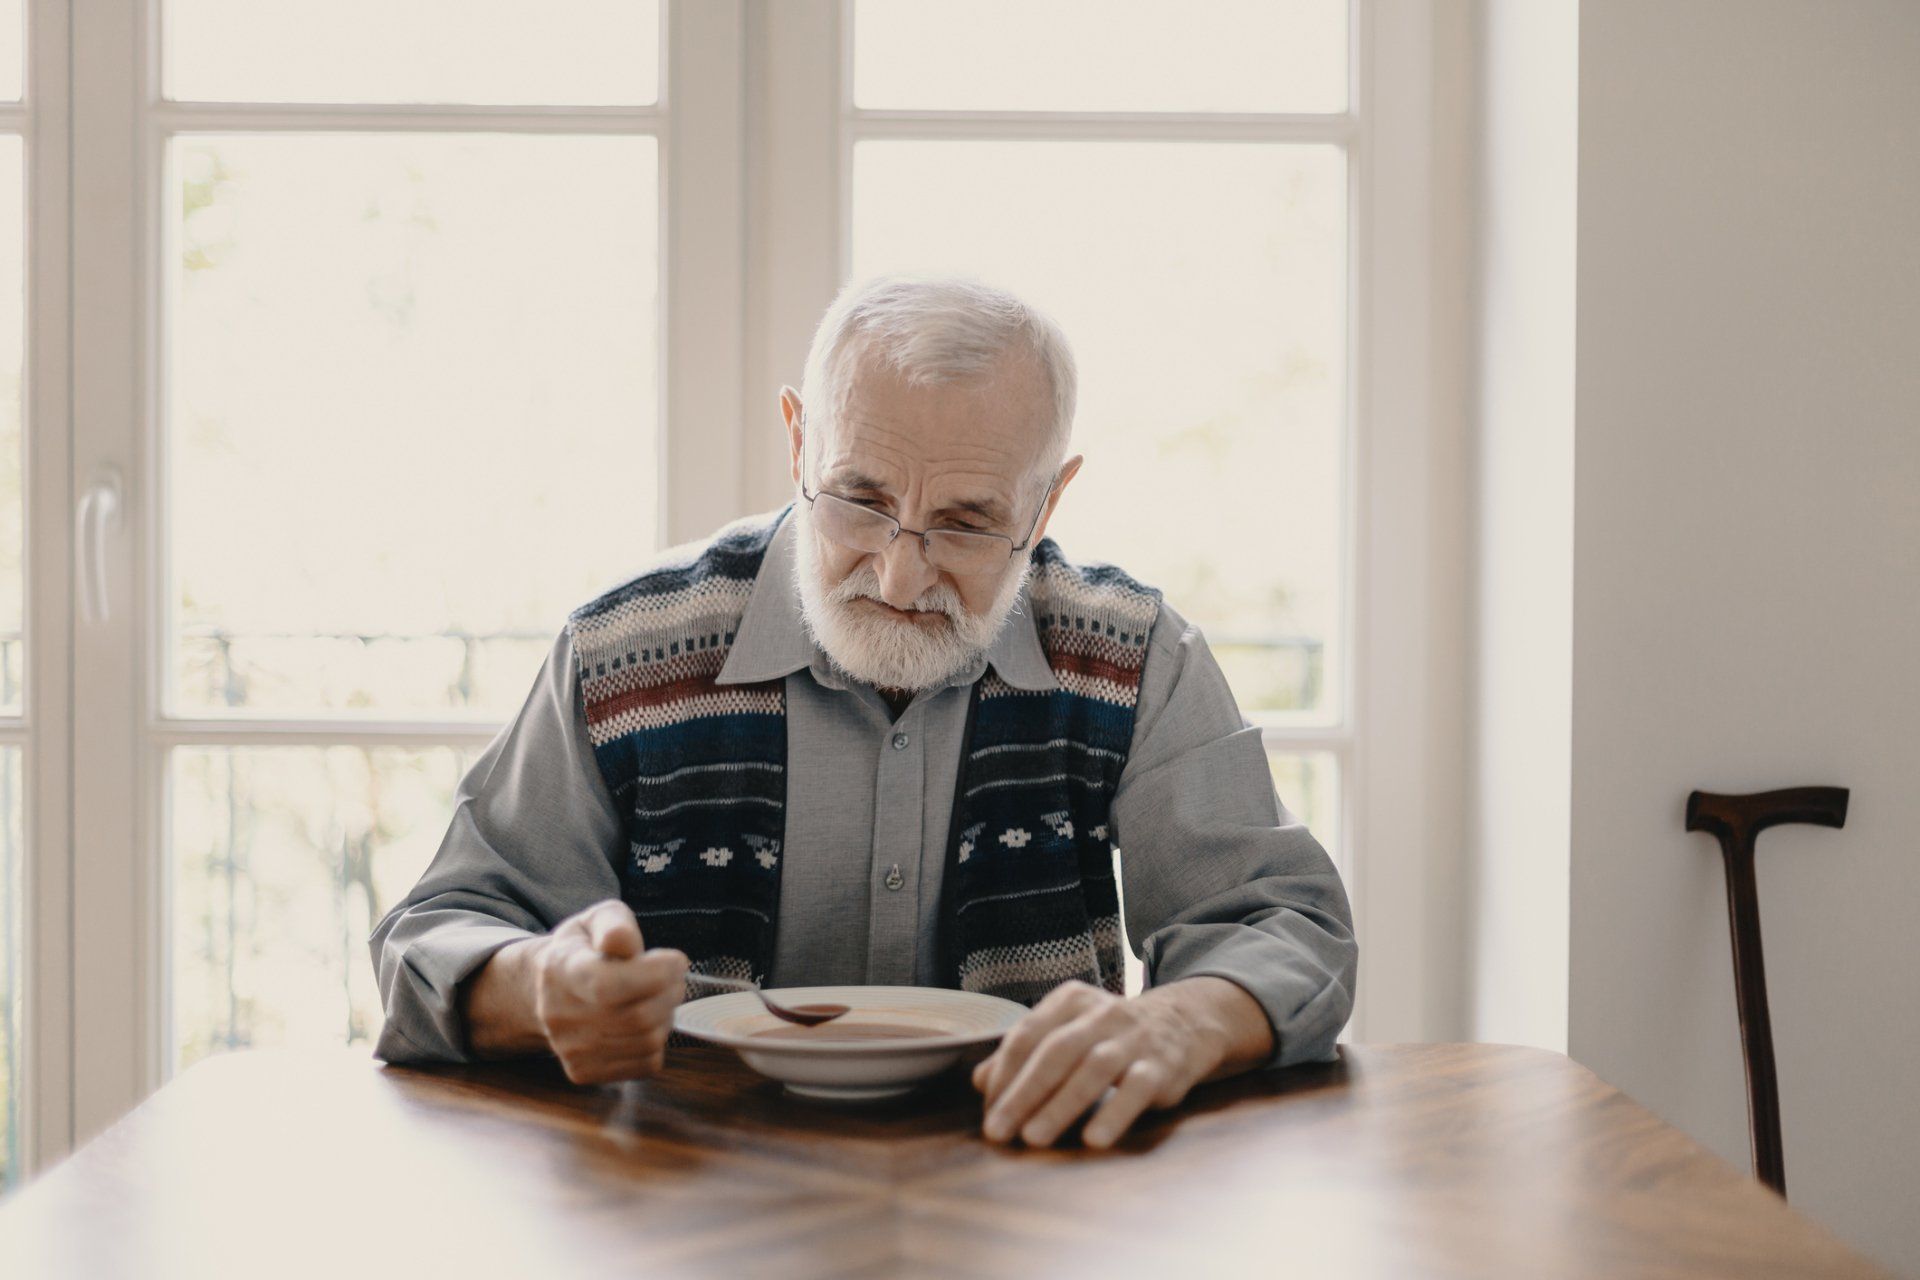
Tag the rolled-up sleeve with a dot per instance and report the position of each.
(1219, 878)
(533, 839)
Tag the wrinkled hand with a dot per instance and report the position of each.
(604, 1002)
(1059, 1059)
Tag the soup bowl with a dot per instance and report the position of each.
(890, 1040)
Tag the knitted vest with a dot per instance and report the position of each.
(698, 771)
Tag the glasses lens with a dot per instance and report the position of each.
(852, 525)
(958, 552)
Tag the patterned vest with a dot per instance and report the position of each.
(699, 771)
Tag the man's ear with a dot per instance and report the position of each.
(790, 411)
(1068, 470)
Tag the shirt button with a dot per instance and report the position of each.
(894, 878)
(900, 742)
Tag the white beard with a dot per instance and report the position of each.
(890, 653)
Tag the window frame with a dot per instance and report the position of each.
(1285, 732)
(116, 970)
(42, 730)
(801, 150)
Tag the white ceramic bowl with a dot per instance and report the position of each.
(818, 1065)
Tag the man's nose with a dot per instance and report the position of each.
(904, 571)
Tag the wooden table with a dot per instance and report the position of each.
(1450, 1160)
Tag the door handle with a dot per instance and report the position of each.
(97, 515)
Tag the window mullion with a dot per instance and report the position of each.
(702, 320)
(373, 118)
(112, 868)
(237, 731)
(1067, 127)
(794, 221)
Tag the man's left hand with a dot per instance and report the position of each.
(1059, 1059)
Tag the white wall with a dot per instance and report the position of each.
(1746, 604)
(1522, 478)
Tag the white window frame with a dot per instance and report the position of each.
(1410, 489)
(755, 134)
(804, 126)
(43, 730)
(117, 969)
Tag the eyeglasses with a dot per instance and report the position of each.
(861, 528)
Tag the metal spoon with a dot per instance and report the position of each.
(806, 1015)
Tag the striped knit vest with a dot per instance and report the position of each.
(699, 772)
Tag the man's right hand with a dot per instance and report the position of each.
(604, 1002)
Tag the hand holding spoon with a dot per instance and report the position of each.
(806, 1015)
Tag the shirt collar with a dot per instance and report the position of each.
(771, 641)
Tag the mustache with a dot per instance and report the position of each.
(864, 584)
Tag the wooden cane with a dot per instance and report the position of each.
(1736, 821)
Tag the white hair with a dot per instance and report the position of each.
(932, 329)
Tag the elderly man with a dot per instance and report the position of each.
(888, 735)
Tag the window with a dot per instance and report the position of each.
(1102, 180)
(380, 394)
(418, 367)
(1307, 143)
(405, 333)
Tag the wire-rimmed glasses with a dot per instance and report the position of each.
(862, 528)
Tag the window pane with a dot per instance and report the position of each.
(509, 52)
(420, 373)
(13, 314)
(1101, 55)
(282, 861)
(1308, 783)
(13, 49)
(12, 961)
(1203, 287)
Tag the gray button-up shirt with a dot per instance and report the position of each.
(1217, 877)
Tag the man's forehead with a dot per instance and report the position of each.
(966, 434)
